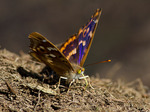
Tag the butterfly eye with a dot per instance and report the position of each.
(79, 71)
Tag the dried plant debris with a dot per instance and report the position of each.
(24, 88)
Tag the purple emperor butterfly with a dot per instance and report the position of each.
(67, 61)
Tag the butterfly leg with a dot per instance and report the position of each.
(90, 83)
(70, 84)
(60, 81)
(65, 79)
(87, 82)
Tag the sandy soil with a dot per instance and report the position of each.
(23, 87)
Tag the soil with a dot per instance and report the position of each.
(24, 88)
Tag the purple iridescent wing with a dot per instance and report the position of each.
(77, 47)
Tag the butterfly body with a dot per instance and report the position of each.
(68, 60)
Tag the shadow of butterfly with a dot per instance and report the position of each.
(67, 61)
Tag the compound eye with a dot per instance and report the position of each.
(79, 71)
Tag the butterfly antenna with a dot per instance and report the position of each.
(97, 63)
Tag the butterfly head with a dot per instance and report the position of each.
(78, 72)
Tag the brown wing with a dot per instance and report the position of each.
(46, 52)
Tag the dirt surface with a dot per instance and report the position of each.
(22, 88)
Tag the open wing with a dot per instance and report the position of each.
(77, 47)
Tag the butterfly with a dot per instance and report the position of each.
(68, 60)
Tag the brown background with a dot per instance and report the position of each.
(123, 33)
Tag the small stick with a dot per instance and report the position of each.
(10, 88)
(37, 101)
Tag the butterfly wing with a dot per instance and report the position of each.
(86, 35)
(69, 49)
(77, 47)
(46, 52)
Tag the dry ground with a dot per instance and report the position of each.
(22, 88)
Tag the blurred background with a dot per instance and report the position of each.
(122, 35)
